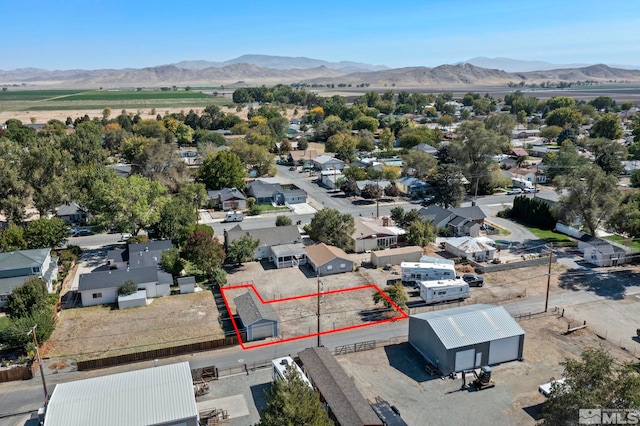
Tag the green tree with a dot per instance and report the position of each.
(13, 188)
(219, 277)
(45, 233)
(371, 191)
(473, 150)
(291, 402)
(242, 249)
(127, 204)
(418, 164)
(566, 160)
(564, 117)
(127, 288)
(550, 132)
(602, 103)
(607, 126)
(594, 380)
(331, 227)
(30, 296)
(223, 170)
(357, 173)
(635, 178)
(171, 262)
(591, 196)
(608, 155)
(12, 238)
(625, 219)
(176, 218)
(420, 233)
(395, 292)
(502, 124)
(255, 157)
(447, 187)
(206, 253)
(386, 140)
(560, 102)
(282, 220)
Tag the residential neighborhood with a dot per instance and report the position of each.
(397, 247)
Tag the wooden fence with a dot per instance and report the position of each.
(19, 372)
(156, 353)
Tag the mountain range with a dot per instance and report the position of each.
(516, 65)
(268, 70)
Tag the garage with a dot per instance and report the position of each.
(504, 350)
(259, 320)
(466, 337)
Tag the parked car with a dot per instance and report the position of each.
(514, 191)
(530, 190)
(83, 232)
(125, 236)
(473, 280)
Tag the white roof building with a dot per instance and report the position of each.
(152, 396)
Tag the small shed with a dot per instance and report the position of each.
(396, 256)
(467, 337)
(187, 284)
(328, 260)
(259, 319)
(135, 300)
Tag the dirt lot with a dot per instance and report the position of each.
(298, 317)
(394, 373)
(100, 331)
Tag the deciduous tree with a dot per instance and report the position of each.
(242, 249)
(395, 292)
(206, 253)
(420, 233)
(332, 227)
(45, 233)
(591, 196)
(222, 170)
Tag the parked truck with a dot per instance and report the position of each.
(444, 290)
(414, 272)
(234, 217)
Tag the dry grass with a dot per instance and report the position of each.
(101, 331)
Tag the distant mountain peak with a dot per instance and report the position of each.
(517, 65)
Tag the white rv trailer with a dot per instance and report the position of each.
(414, 272)
(444, 290)
(279, 366)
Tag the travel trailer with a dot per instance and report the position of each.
(444, 290)
(414, 272)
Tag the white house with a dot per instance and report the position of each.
(600, 252)
(470, 248)
(16, 267)
(101, 287)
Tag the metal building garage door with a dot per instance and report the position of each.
(504, 350)
(261, 330)
(465, 359)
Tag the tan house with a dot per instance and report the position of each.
(328, 260)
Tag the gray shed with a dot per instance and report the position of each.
(259, 319)
(187, 284)
(467, 337)
(135, 300)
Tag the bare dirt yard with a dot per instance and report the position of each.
(395, 372)
(298, 316)
(101, 331)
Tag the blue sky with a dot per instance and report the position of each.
(93, 34)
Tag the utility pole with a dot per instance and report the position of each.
(378, 199)
(318, 309)
(546, 300)
(35, 342)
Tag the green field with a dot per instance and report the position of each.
(633, 245)
(49, 100)
(552, 237)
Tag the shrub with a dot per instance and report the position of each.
(127, 288)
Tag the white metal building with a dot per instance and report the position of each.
(151, 396)
(467, 337)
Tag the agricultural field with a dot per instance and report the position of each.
(83, 101)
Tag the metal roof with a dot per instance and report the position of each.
(271, 236)
(151, 396)
(470, 325)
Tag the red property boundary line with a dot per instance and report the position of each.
(251, 287)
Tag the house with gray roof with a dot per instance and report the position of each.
(268, 237)
(101, 287)
(343, 401)
(227, 199)
(257, 318)
(467, 337)
(157, 396)
(72, 214)
(601, 252)
(461, 220)
(326, 162)
(268, 192)
(138, 255)
(411, 186)
(16, 267)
